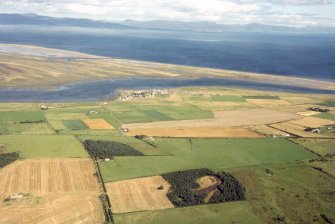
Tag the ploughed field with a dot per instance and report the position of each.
(190, 155)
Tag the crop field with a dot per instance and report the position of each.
(26, 129)
(43, 176)
(215, 154)
(138, 194)
(225, 118)
(53, 209)
(74, 124)
(151, 113)
(265, 97)
(268, 102)
(21, 116)
(267, 130)
(43, 146)
(215, 132)
(308, 113)
(97, 124)
(226, 213)
(228, 98)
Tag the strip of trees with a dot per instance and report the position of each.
(183, 184)
(108, 149)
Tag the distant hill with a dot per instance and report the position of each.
(34, 19)
(215, 27)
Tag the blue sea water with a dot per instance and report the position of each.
(288, 54)
(106, 89)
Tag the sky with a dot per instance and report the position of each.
(272, 12)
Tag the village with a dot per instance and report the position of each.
(129, 95)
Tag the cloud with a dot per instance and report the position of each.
(221, 11)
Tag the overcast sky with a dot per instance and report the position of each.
(278, 12)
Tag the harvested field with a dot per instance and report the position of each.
(295, 129)
(197, 132)
(312, 122)
(48, 176)
(58, 209)
(224, 118)
(308, 113)
(138, 194)
(97, 124)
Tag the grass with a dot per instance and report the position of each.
(216, 154)
(265, 97)
(228, 98)
(19, 116)
(329, 103)
(75, 125)
(233, 212)
(329, 116)
(48, 146)
(320, 146)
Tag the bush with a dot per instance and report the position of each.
(8, 158)
(108, 149)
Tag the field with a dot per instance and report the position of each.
(322, 147)
(328, 116)
(74, 124)
(56, 191)
(21, 116)
(227, 98)
(215, 132)
(225, 118)
(295, 129)
(138, 194)
(313, 122)
(26, 129)
(97, 124)
(215, 154)
(43, 146)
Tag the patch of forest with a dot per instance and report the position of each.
(183, 184)
(7, 158)
(109, 149)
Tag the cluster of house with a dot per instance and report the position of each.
(129, 95)
(318, 109)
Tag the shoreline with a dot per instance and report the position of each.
(63, 56)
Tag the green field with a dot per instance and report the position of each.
(265, 97)
(216, 154)
(233, 212)
(20, 116)
(47, 146)
(74, 125)
(228, 98)
(329, 103)
(329, 116)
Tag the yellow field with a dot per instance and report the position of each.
(267, 130)
(308, 113)
(138, 194)
(97, 124)
(209, 132)
(295, 129)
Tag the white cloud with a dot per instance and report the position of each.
(222, 11)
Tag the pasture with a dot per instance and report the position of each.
(74, 124)
(43, 146)
(215, 154)
(26, 129)
(322, 147)
(228, 98)
(328, 116)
